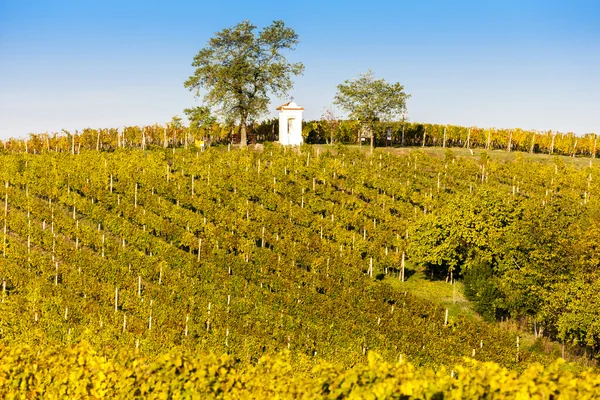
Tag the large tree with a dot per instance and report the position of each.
(240, 67)
(370, 100)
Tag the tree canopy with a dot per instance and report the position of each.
(240, 67)
(201, 120)
(370, 100)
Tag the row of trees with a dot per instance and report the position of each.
(405, 133)
(204, 127)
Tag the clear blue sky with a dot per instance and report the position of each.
(527, 64)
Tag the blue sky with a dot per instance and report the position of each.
(527, 64)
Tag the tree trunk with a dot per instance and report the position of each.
(243, 134)
(402, 133)
(468, 142)
(444, 143)
(372, 140)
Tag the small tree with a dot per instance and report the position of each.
(370, 100)
(175, 126)
(201, 121)
(331, 122)
(240, 68)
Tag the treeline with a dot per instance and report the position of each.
(422, 134)
(175, 134)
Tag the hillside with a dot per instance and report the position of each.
(252, 253)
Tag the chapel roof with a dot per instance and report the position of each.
(290, 105)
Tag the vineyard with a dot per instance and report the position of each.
(404, 133)
(80, 372)
(132, 264)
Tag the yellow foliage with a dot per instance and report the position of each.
(80, 372)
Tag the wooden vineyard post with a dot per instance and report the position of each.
(402, 268)
(199, 248)
(453, 291)
(29, 241)
(446, 318)
(509, 147)
(139, 290)
(482, 173)
(208, 318)
(116, 299)
(518, 346)
(468, 142)
(5, 220)
(371, 267)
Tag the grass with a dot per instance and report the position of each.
(436, 291)
(501, 155)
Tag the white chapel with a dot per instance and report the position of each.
(290, 124)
